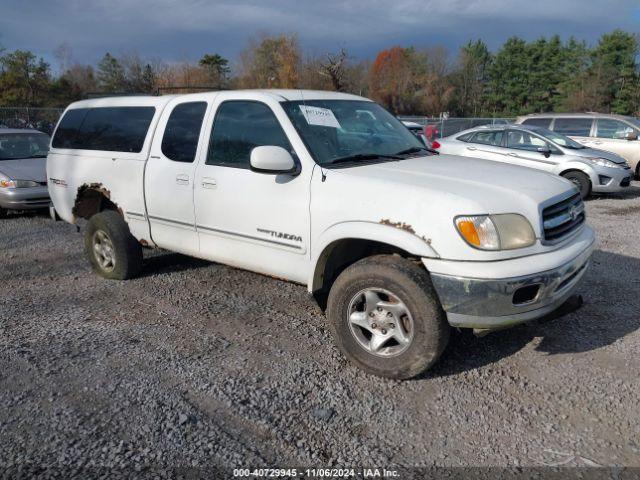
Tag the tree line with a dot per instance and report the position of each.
(521, 77)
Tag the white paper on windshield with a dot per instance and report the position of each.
(319, 116)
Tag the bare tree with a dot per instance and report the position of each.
(334, 67)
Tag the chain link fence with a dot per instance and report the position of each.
(446, 126)
(43, 119)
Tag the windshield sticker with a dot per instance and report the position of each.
(320, 116)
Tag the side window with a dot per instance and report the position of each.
(573, 127)
(238, 128)
(465, 138)
(524, 141)
(488, 138)
(538, 122)
(68, 128)
(115, 129)
(612, 128)
(180, 139)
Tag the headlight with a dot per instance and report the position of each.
(496, 232)
(6, 183)
(603, 162)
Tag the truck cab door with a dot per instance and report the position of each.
(253, 220)
(170, 172)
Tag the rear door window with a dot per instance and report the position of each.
(68, 128)
(538, 122)
(573, 127)
(488, 138)
(180, 139)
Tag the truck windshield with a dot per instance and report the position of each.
(15, 146)
(351, 131)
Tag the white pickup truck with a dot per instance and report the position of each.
(326, 189)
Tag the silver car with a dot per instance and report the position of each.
(589, 169)
(613, 133)
(23, 176)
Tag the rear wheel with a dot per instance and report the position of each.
(112, 251)
(581, 181)
(385, 317)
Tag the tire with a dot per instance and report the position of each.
(638, 171)
(119, 255)
(3, 212)
(581, 181)
(398, 283)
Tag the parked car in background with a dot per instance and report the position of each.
(613, 133)
(451, 126)
(417, 130)
(328, 190)
(23, 177)
(539, 148)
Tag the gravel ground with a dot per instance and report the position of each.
(197, 364)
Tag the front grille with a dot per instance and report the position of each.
(563, 218)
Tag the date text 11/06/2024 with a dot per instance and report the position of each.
(316, 473)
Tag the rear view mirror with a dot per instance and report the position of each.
(272, 159)
(631, 136)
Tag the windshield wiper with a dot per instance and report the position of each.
(363, 156)
(411, 150)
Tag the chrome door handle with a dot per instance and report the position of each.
(471, 148)
(182, 179)
(511, 154)
(209, 183)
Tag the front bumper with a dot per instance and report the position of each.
(611, 180)
(24, 198)
(490, 303)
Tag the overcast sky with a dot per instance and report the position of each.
(186, 29)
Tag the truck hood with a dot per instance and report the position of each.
(25, 169)
(425, 194)
(491, 185)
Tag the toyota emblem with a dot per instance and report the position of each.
(573, 212)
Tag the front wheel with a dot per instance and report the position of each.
(581, 181)
(386, 318)
(112, 251)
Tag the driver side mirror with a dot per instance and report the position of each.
(631, 136)
(272, 159)
(546, 151)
